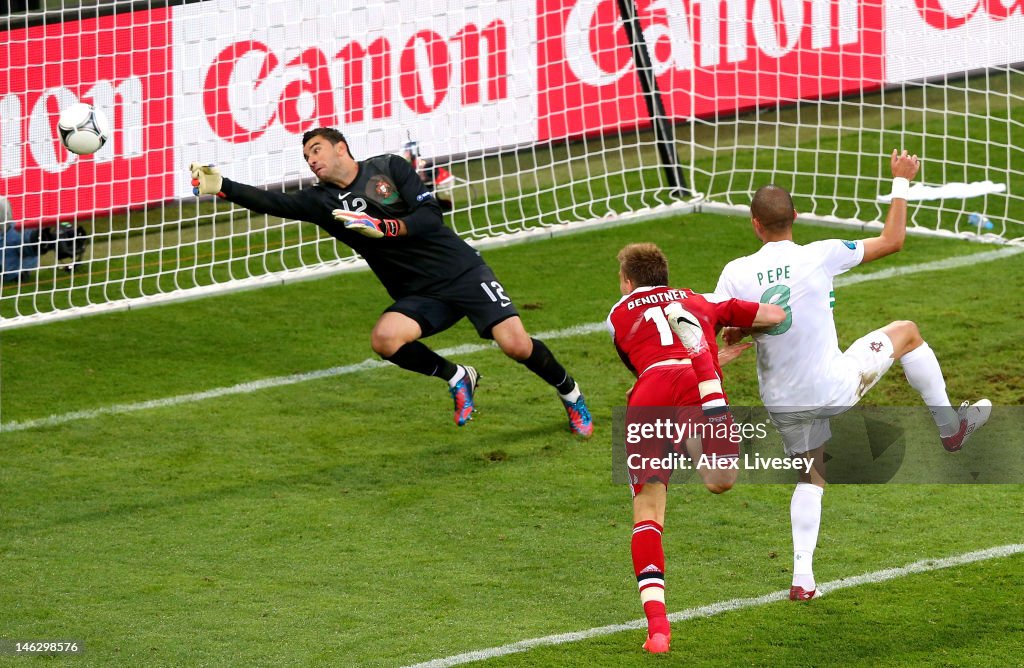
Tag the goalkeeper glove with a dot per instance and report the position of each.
(206, 180)
(368, 226)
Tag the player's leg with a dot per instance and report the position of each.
(482, 298)
(512, 338)
(396, 336)
(649, 561)
(922, 370)
(716, 467)
(718, 480)
(804, 436)
(924, 374)
(805, 518)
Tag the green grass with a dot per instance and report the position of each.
(346, 521)
(929, 619)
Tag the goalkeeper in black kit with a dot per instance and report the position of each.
(380, 208)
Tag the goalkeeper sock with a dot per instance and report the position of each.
(544, 364)
(460, 373)
(415, 356)
(805, 515)
(924, 375)
(572, 395)
(649, 567)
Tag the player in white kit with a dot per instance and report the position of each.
(804, 378)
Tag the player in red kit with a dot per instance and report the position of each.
(666, 337)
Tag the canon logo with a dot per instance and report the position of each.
(249, 87)
(593, 28)
(950, 14)
(40, 127)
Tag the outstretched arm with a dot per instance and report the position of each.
(767, 316)
(904, 169)
(207, 180)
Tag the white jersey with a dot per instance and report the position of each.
(797, 360)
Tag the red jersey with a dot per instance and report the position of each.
(641, 330)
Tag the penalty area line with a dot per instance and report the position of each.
(713, 609)
(365, 365)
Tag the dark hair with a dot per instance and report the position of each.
(330, 134)
(772, 206)
(644, 264)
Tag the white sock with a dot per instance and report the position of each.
(460, 372)
(572, 396)
(805, 514)
(924, 375)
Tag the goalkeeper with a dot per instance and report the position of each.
(380, 208)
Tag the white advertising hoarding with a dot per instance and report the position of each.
(926, 38)
(250, 78)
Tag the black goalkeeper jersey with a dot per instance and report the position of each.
(420, 263)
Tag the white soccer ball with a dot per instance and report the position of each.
(83, 128)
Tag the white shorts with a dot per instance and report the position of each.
(856, 370)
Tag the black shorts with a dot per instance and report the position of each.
(476, 295)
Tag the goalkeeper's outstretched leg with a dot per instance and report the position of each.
(514, 341)
(381, 208)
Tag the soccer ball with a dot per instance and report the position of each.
(83, 128)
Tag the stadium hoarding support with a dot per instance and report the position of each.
(664, 130)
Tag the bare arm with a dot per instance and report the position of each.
(768, 315)
(895, 231)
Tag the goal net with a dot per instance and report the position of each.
(524, 118)
(947, 88)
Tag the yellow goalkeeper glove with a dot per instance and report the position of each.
(206, 180)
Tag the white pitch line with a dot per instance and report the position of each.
(725, 606)
(937, 265)
(267, 383)
(577, 330)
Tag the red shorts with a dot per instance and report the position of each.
(664, 411)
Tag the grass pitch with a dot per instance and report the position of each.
(345, 521)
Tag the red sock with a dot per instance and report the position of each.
(649, 567)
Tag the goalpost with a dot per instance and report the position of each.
(529, 118)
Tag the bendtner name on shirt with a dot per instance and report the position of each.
(656, 298)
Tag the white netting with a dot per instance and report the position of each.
(945, 89)
(452, 84)
(527, 116)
